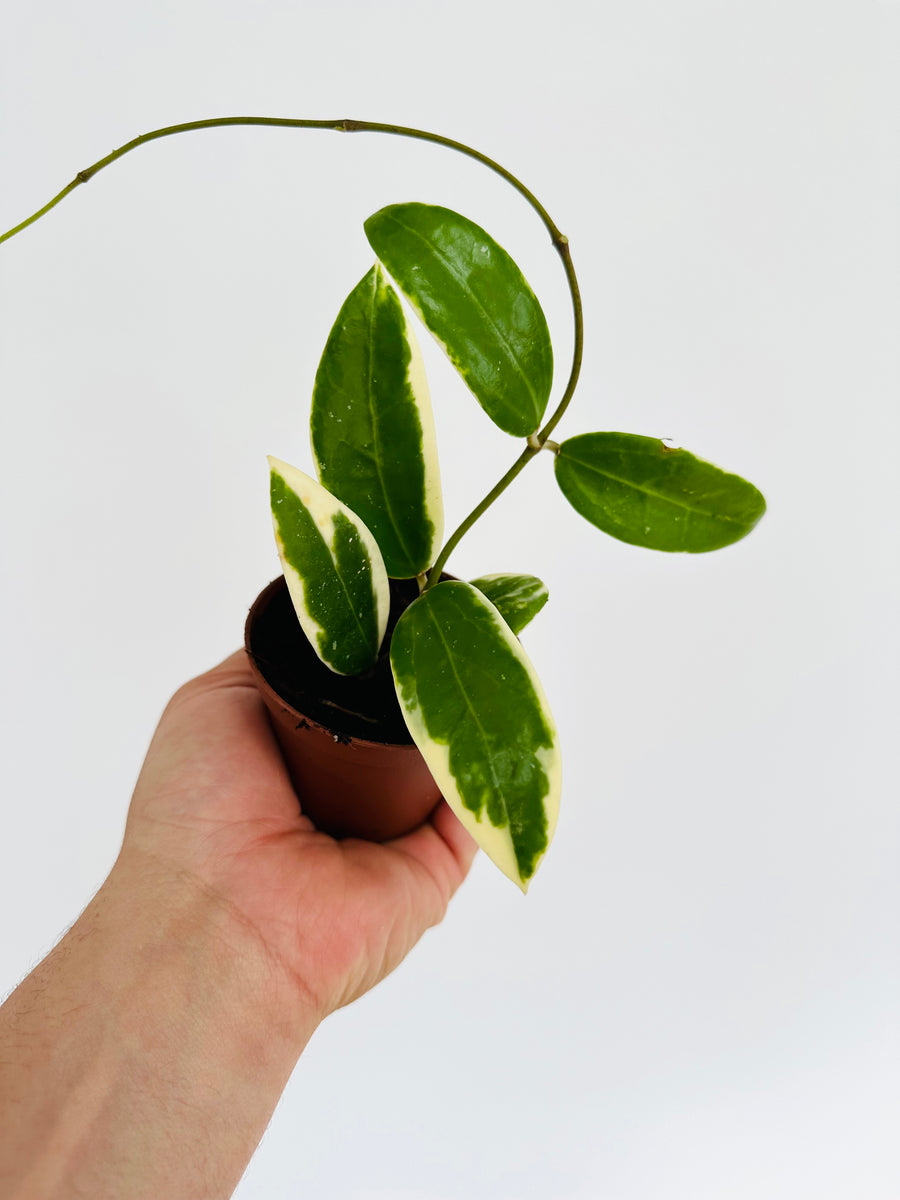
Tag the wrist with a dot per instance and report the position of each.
(173, 925)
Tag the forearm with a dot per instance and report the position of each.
(145, 1055)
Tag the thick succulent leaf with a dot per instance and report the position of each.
(639, 490)
(517, 598)
(372, 428)
(333, 570)
(475, 708)
(475, 301)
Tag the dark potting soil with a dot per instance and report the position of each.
(361, 706)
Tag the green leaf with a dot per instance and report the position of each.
(639, 490)
(476, 710)
(372, 429)
(333, 570)
(474, 300)
(517, 598)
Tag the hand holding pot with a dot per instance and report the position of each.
(145, 1055)
(214, 805)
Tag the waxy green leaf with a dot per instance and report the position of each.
(333, 570)
(372, 429)
(475, 708)
(639, 490)
(517, 598)
(474, 300)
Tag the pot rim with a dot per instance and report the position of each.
(262, 682)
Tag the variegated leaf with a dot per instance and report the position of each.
(372, 428)
(333, 570)
(476, 303)
(476, 709)
(517, 598)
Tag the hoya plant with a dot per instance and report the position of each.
(372, 513)
(470, 697)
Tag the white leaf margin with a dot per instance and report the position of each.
(323, 507)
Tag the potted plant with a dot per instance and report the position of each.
(388, 683)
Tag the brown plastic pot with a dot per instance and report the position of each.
(372, 785)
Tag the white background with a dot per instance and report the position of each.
(699, 996)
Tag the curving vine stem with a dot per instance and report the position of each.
(537, 441)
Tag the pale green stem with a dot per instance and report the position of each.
(560, 242)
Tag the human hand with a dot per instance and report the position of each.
(144, 1056)
(214, 809)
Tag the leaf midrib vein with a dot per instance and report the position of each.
(497, 788)
(487, 316)
(333, 556)
(376, 433)
(691, 508)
